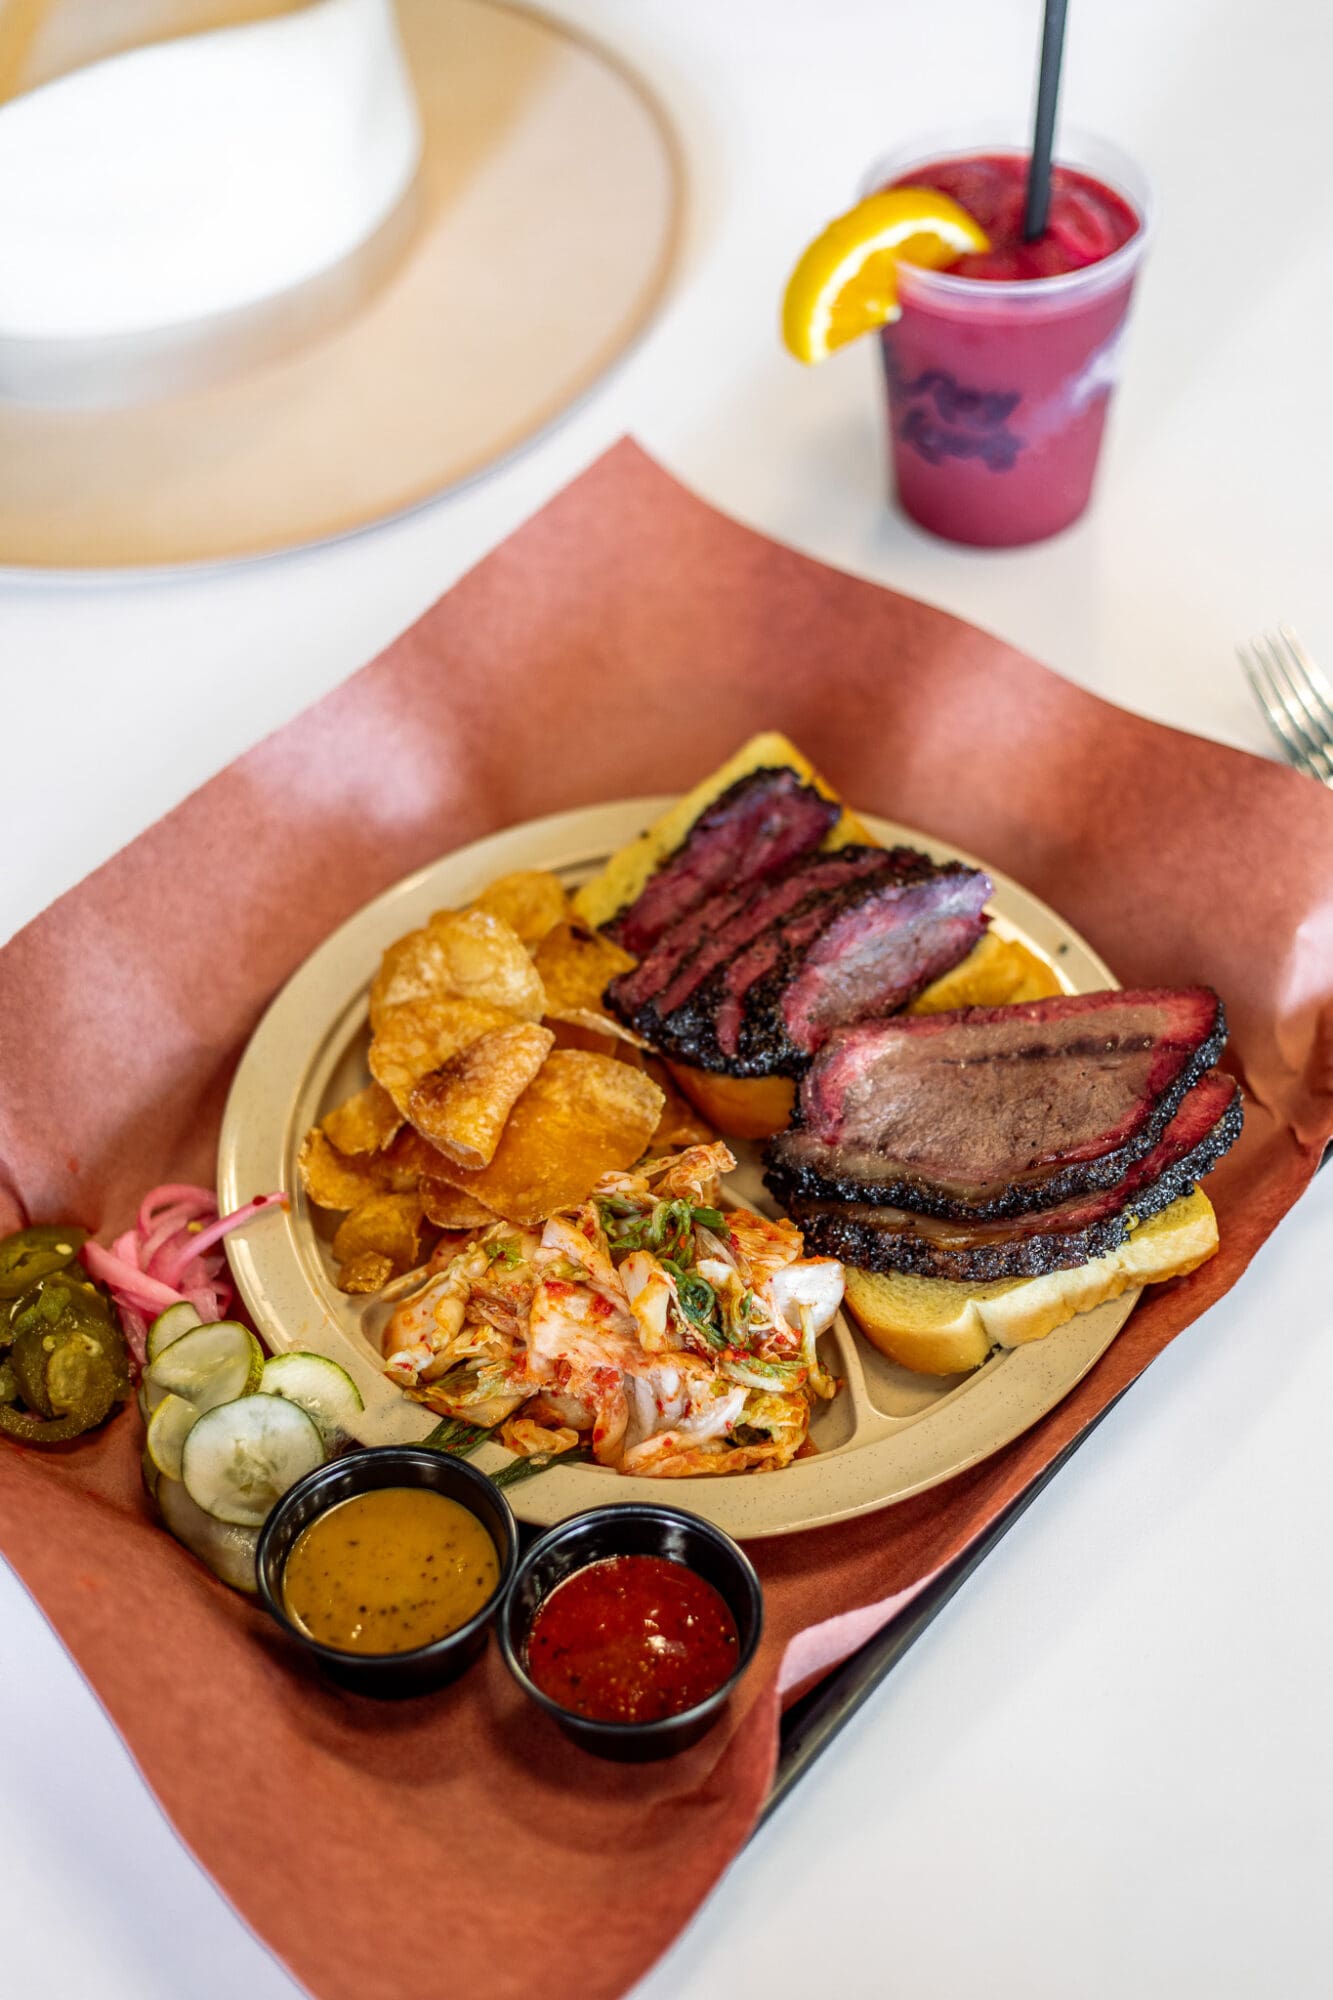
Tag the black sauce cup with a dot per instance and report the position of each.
(423, 1667)
(629, 1529)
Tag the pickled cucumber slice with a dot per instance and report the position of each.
(320, 1387)
(228, 1550)
(242, 1456)
(168, 1427)
(170, 1325)
(210, 1365)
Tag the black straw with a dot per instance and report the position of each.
(1043, 135)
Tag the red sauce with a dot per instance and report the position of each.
(632, 1639)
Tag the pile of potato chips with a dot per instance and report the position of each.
(502, 1089)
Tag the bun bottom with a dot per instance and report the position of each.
(741, 1107)
(937, 1327)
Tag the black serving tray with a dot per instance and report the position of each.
(812, 1722)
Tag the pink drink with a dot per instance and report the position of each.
(1000, 369)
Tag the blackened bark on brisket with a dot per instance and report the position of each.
(880, 955)
(713, 933)
(716, 1027)
(996, 1111)
(887, 1239)
(815, 949)
(750, 831)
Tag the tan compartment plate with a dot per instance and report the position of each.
(888, 1434)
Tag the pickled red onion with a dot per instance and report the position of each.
(167, 1196)
(172, 1254)
(165, 1227)
(126, 1280)
(175, 1266)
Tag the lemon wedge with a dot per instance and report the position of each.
(847, 281)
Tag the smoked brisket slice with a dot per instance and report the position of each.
(994, 1111)
(883, 1238)
(880, 955)
(766, 819)
(857, 947)
(683, 957)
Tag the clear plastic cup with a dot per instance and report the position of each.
(998, 391)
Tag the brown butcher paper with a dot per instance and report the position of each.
(621, 643)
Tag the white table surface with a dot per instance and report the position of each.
(1106, 1770)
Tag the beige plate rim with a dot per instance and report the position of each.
(879, 1445)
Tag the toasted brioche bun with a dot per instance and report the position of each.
(624, 875)
(741, 1107)
(939, 1327)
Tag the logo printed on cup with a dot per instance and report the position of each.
(945, 418)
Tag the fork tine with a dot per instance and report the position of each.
(1249, 667)
(1275, 713)
(1312, 690)
(1307, 729)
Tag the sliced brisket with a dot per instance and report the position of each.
(763, 821)
(885, 1238)
(683, 956)
(763, 992)
(1000, 1110)
(881, 954)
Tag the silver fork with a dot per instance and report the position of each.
(1295, 698)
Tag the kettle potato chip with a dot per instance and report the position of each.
(449, 1208)
(581, 1116)
(416, 1036)
(593, 1041)
(680, 1124)
(499, 1089)
(468, 954)
(604, 1029)
(338, 1181)
(330, 1178)
(409, 1160)
(389, 1224)
(364, 1123)
(461, 1107)
(576, 966)
(530, 901)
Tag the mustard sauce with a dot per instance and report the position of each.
(389, 1570)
